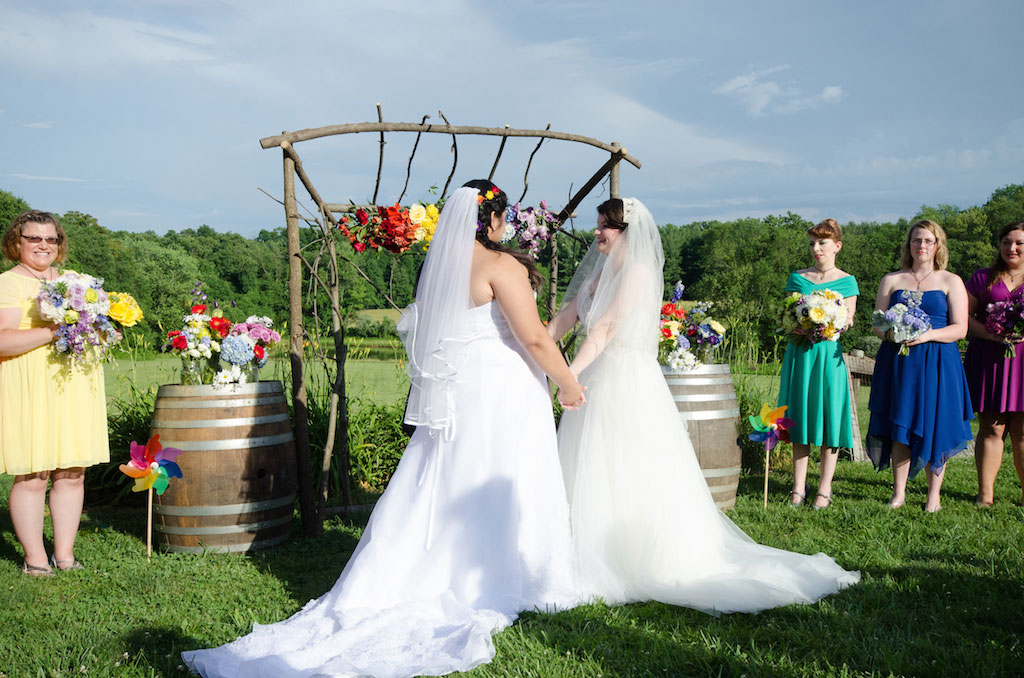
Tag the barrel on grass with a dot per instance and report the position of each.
(239, 467)
(706, 402)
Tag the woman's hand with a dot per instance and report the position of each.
(921, 339)
(572, 398)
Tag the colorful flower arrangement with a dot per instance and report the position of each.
(818, 316)
(216, 351)
(87, 317)
(1006, 318)
(393, 228)
(531, 226)
(904, 321)
(687, 338)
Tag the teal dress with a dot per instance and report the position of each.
(814, 384)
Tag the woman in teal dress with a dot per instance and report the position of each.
(814, 384)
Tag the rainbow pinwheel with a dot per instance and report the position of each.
(770, 426)
(152, 466)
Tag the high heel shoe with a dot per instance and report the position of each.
(826, 497)
(800, 497)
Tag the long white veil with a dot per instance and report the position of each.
(618, 296)
(430, 327)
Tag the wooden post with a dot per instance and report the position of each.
(613, 176)
(307, 505)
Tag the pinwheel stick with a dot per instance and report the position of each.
(149, 526)
(767, 452)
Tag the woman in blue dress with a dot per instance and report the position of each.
(920, 405)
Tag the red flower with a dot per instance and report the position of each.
(258, 350)
(221, 326)
(666, 332)
(680, 313)
(174, 333)
(668, 309)
(359, 246)
(199, 308)
(363, 216)
(179, 342)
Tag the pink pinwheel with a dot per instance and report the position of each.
(770, 426)
(152, 466)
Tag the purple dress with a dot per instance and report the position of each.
(995, 381)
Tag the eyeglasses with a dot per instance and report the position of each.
(36, 239)
(920, 242)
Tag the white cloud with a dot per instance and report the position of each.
(35, 177)
(45, 124)
(761, 95)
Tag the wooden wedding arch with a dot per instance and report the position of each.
(320, 263)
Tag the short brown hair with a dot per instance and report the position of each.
(827, 229)
(11, 242)
(941, 251)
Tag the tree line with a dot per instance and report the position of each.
(741, 265)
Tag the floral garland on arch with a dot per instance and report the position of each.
(393, 228)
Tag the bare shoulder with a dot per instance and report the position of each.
(952, 281)
(506, 264)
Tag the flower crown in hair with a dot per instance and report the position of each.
(488, 195)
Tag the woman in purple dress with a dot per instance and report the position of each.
(996, 381)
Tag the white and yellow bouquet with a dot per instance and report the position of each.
(814, 317)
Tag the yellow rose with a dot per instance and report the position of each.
(91, 296)
(716, 326)
(816, 314)
(417, 213)
(124, 309)
(432, 211)
(70, 316)
(489, 195)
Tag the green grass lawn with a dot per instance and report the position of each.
(941, 595)
(381, 381)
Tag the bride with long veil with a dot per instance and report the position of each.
(645, 526)
(473, 527)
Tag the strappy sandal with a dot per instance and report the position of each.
(893, 504)
(65, 565)
(826, 497)
(33, 571)
(799, 495)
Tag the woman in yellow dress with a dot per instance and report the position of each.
(53, 421)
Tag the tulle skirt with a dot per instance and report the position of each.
(645, 526)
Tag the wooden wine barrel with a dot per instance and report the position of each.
(706, 402)
(238, 489)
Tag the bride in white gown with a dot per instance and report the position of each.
(474, 526)
(645, 526)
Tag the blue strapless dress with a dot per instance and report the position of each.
(921, 399)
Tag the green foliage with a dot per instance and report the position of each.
(10, 207)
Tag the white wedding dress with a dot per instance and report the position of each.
(645, 526)
(472, 529)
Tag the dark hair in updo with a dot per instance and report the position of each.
(614, 213)
(498, 204)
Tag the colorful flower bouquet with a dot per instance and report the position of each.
(87, 316)
(1006, 318)
(531, 226)
(687, 338)
(814, 317)
(215, 351)
(904, 321)
(394, 228)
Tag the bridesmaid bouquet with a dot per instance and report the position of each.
(1006, 318)
(814, 317)
(905, 320)
(87, 316)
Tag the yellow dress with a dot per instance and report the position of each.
(50, 418)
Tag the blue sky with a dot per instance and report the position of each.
(148, 114)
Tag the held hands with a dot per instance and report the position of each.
(572, 398)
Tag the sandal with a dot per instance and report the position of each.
(34, 571)
(826, 497)
(893, 504)
(800, 498)
(65, 565)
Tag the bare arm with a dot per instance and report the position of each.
(14, 341)
(851, 308)
(882, 303)
(515, 298)
(564, 320)
(975, 327)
